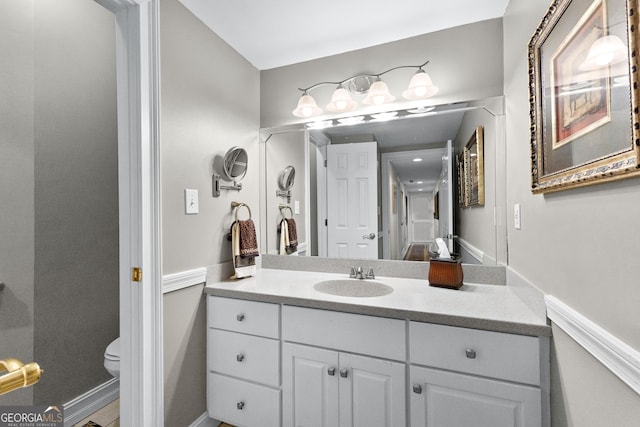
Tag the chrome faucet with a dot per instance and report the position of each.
(360, 274)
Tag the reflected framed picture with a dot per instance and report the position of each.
(462, 197)
(436, 205)
(474, 169)
(583, 84)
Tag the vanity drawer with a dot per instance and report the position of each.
(249, 317)
(244, 356)
(242, 403)
(373, 336)
(492, 354)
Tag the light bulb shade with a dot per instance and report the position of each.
(607, 50)
(341, 101)
(420, 86)
(307, 107)
(378, 94)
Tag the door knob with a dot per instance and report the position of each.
(369, 236)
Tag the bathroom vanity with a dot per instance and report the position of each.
(281, 353)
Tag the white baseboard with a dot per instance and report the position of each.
(618, 357)
(82, 406)
(204, 421)
(184, 279)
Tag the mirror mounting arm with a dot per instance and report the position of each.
(237, 186)
(282, 193)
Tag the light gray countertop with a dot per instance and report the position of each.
(488, 307)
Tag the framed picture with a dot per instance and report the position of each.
(462, 196)
(474, 169)
(584, 94)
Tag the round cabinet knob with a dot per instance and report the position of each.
(344, 373)
(331, 371)
(471, 353)
(240, 357)
(240, 406)
(417, 389)
(240, 317)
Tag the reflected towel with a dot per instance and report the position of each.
(292, 232)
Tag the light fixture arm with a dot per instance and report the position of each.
(377, 76)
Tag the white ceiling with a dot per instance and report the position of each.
(275, 33)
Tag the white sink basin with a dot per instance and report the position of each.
(353, 288)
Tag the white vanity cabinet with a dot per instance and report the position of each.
(325, 384)
(465, 377)
(243, 362)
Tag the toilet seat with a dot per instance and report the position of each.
(112, 358)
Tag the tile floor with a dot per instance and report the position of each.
(109, 416)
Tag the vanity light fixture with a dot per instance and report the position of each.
(376, 90)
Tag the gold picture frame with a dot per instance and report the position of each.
(473, 167)
(584, 102)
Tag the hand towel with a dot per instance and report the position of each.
(292, 233)
(284, 237)
(244, 266)
(248, 239)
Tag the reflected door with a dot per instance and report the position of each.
(352, 200)
(446, 222)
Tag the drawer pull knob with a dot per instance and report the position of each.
(417, 389)
(331, 371)
(344, 373)
(240, 317)
(240, 406)
(240, 357)
(471, 353)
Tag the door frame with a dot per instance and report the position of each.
(137, 75)
(386, 159)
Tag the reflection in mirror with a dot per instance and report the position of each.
(235, 163)
(403, 170)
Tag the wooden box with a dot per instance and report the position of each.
(446, 273)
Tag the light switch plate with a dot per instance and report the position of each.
(296, 207)
(516, 216)
(191, 201)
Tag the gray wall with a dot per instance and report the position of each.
(16, 191)
(557, 249)
(475, 224)
(62, 182)
(209, 103)
(465, 65)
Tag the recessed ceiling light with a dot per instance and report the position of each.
(419, 182)
(417, 159)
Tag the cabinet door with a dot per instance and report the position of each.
(372, 392)
(447, 399)
(310, 386)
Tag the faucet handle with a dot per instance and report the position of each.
(370, 274)
(352, 272)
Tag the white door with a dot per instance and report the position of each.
(448, 399)
(372, 392)
(309, 386)
(352, 200)
(420, 218)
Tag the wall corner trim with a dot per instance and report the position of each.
(183, 279)
(84, 405)
(613, 353)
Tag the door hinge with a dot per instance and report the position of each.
(326, 222)
(325, 163)
(136, 274)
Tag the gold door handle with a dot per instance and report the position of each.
(18, 375)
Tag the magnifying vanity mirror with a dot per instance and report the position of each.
(234, 164)
(287, 176)
(389, 182)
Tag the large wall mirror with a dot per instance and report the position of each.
(385, 186)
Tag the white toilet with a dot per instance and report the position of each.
(112, 358)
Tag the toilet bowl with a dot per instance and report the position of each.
(112, 358)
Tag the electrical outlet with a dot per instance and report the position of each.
(516, 216)
(191, 201)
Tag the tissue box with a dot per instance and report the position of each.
(446, 273)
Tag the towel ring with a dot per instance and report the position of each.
(283, 208)
(238, 205)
